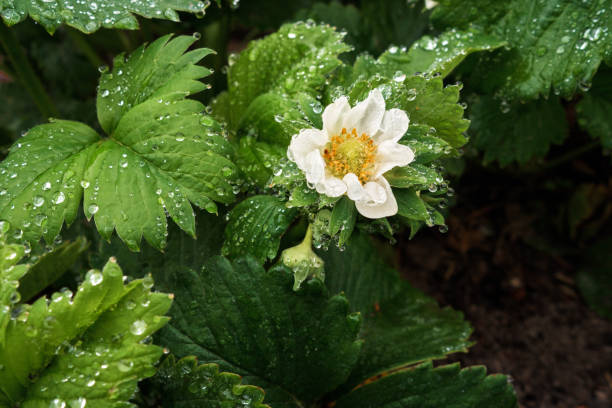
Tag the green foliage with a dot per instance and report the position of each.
(297, 58)
(439, 54)
(297, 346)
(401, 326)
(89, 16)
(79, 349)
(554, 44)
(427, 387)
(50, 267)
(595, 109)
(240, 327)
(256, 226)
(359, 272)
(398, 22)
(406, 329)
(517, 132)
(343, 219)
(161, 155)
(186, 384)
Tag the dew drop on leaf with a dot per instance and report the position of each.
(138, 327)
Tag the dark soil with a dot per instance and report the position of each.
(528, 317)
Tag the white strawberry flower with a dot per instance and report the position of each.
(352, 152)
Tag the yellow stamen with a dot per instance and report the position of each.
(349, 152)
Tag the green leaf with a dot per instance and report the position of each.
(257, 160)
(554, 43)
(437, 54)
(185, 384)
(425, 145)
(273, 118)
(162, 70)
(413, 175)
(401, 325)
(595, 109)
(10, 273)
(345, 17)
(295, 345)
(82, 349)
(407, 329)
(411, 205)
(359, 272)
(90, 16)
(397, 22)
(297, 58)
(50, 267)
(426, 101)
(518, 132)
(427, 387)
(256, 226)
(343, 219)
(162, 155)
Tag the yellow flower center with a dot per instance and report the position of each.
(349, 152)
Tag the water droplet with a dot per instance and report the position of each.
(46, 186)
(94, 277)
(59, 198)
(38, 201)
(411, 94)
(138, 327)
(84, 184)
(92, 209)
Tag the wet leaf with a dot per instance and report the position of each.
(50, 267)
(595, 109)
(407, 329)
(297, 346)
(185, 384)
(162, 155)
(427, 387)
(84, 348)
(437, 54)
(297, 58)
(517, 132)
(555, 44)
(89, 16)
(256, 226)
(360, 273)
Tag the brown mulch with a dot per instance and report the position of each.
(528, 317)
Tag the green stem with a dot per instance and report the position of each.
(307, 241)
(571, 155)
(28, 78)
(81, 43)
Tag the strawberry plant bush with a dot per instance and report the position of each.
(202, 218)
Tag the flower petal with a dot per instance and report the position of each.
(314, 167)
(394, 125)
(303, 143)
(367, 115)
(334, 114)
(381, 201)
(354, 189)
(391, 154)
(331, 186)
